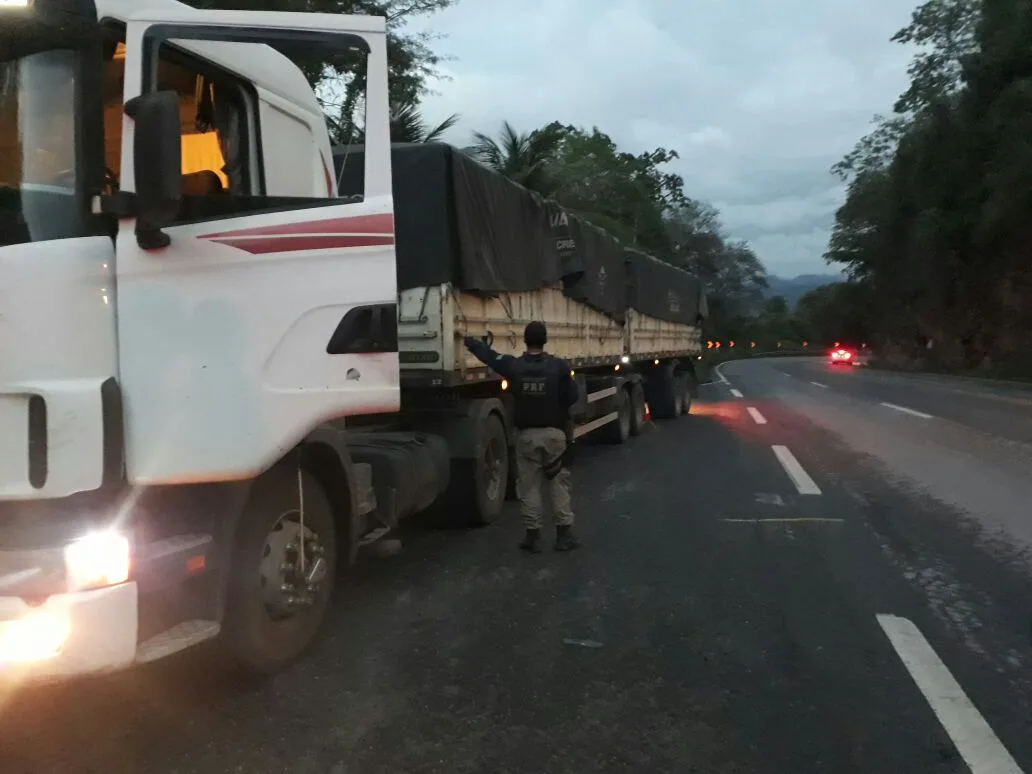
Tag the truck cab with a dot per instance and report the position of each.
(152, 157)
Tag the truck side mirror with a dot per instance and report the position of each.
(157, 163)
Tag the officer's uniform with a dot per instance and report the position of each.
(543, 392)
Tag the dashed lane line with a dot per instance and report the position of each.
(758, 418)
(803, 483)
(906, 410)
(976, 742)
(736, 393)
(787, 520)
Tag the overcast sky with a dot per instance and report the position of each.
(760, 97)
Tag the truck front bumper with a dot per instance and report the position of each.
(68, 634)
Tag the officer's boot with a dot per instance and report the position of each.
(532, 541)
(564, 539)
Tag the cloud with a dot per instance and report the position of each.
(759, 97)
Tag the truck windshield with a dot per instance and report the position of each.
(37, 148)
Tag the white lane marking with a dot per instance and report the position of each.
(720, 374)
(976, 742)
(905, 410)
(799, 520)
(758, 418)
(736, 393)
(818, 384)
(803, 483)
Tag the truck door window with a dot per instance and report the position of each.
(225, 125)
(213, 122)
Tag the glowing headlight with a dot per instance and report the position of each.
(96, 560)
(35, 637)
(15, 3)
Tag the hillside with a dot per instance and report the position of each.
(793, 288)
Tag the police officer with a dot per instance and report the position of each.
(543, 391)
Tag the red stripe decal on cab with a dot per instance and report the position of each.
(361, 224)
(300, 243)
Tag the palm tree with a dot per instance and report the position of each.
(407, 124)
(523, 158)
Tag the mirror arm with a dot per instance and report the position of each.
(121, 204)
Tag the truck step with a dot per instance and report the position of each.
(177, 638)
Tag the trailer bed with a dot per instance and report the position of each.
(650, 337)
(432, 322)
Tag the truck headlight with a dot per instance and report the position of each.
(96, 560)
(35, 637)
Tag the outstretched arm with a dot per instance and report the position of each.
(500, 364)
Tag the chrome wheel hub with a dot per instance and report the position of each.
(293, 568)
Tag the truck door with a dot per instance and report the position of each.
(266, 305)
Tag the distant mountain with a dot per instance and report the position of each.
(794, 288)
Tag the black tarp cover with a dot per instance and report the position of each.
(600, 259)
(660, 290)
(457, 221)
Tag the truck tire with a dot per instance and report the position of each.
(637, 408)
(662, 393)
(686, 393)
(619, 431)
(265, 627)
(478, 487)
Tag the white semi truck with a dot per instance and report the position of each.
(219, 379)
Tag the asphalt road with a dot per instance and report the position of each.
(795, 578)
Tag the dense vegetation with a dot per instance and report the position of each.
(935, 233)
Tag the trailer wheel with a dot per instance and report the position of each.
(686, 393)
(663, 394)
(678, 387)
(282, 574)
(619, 430)
(637, 408)
(478, 487)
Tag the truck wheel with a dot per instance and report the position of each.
(492, 475)
(637, 408)
(678, 387)
(277, 596)
(619, 430)
(686, 394)
(478, 488)
(663, 394)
